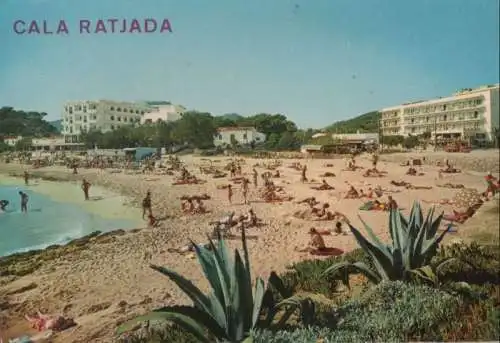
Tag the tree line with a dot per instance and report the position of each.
(197, 130)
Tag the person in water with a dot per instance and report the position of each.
(85, 187)
(24, 201)
(3, 204)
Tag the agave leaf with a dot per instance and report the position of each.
(289, 310)
(380, 260)
(222, 264)
(249, 339)
(395, 228)
(383, 247)
(416, 217)
(359, 267)
(245, 254)
(443, 263)
(278, 284)
(242, 303)
(426, 273)
(257, 302)
(398, 268)
(189, 318)
(434, 226)
(433, 243)
(199, 299)
(207, 263)
(217, 311)
(417, 257)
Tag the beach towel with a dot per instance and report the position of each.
(327, 252)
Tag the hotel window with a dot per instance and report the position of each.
(125, 119)
(71, 110)
(119, 118)
(112, 127)
(142, 112)
(85, 119)
(112, 108)
(118, 109)
(478, 101)
(92, 107)
(85, 109)
(112, 117)
(476, 114)
(137, 111)
(94, 117)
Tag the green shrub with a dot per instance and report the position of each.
(390, 311)
(475, 264)
(171, 334)
(307, 276)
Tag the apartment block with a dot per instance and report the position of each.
(103, 115)
(467, 114)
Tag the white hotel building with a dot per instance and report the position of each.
(103, 115)
(467, 114)
(162, 111)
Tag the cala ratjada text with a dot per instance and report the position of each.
(86, 26)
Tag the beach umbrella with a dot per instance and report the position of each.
(466, 198)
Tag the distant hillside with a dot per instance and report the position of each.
(367, 122)
(232, 116)
(57, 124)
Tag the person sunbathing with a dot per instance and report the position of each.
(153, 221)
(277, 174)
(316, 243)
(352, 193)
(3, 204)
(452, 185)
(440, 202)
(187, 206)
(323, 187)
(311, 201)
(391, 204)
(411, 171)
(369, 194)
(449, 169)
(460, 217)
(410, 186)
(400, 183)
(199, 208)
(338, 229)
(42, 322)
(323, 213)
(373, 173)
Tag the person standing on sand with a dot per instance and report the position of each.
(375, 160)
(85, 187)
(26, 177)
(146, 205)
(75, 166)
(244, 188)
(304, 177)
(255, 177)
(24, 201)
(230, 193)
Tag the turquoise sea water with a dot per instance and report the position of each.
(47, 222)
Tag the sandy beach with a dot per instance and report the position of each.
(109, 281)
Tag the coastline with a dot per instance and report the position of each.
(104, 202)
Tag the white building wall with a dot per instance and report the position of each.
(243, 136)
(166, 113)
(103, 115)
(469, 113)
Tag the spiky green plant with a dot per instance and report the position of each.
(414, 243)
(231, 310)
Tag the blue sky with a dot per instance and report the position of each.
(315, 61)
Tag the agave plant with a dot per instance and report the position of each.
(414, 243)
(230, 311)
